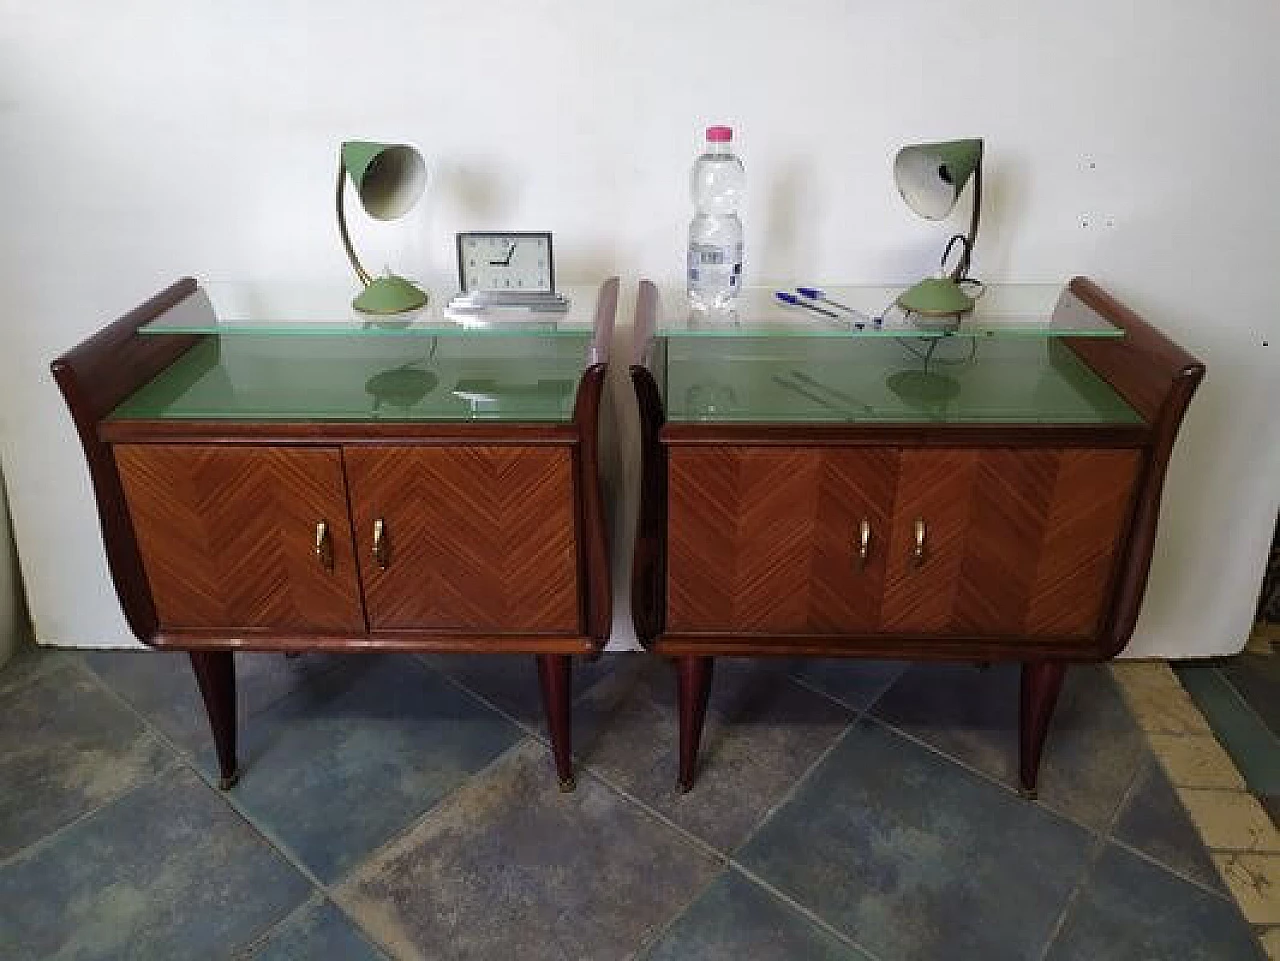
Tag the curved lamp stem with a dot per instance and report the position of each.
(962, 266)
(342, 227)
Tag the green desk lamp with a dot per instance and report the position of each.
(389, 179)
(931, 177)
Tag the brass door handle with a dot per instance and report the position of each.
(380, 543)
(324, 545)
(917, 552)
(864, 542)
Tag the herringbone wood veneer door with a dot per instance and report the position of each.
(228, 536)
(1016, 541)
(768, 540)
(475, 538)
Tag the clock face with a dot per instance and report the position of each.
(515, 262)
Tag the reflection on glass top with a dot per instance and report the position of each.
(283, 310)
(801, 380)
(356, 379)
(1003, 310)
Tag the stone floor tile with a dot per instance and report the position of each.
(1230, 820)
(1193, 760)
(736, 919)
(337, 769)
(1092, 753)
(29, 662)
(1158, 702)
(854, 682)
(166, 871)
(763, 732)
(1131, 909)
(317, 931)
(67, 747)
(162, 688)
(510, 681)
(1254, 880)
(1154, 822)
(510, 867)
(913, 857)
(1257, 678)
(1253, 747)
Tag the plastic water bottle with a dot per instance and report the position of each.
(715, 233)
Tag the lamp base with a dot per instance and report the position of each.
(924, 390)
(389, 295)
(937, 302)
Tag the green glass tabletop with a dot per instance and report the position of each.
(953, 380)
(324, 310)
(1003, 311)
(355, 379)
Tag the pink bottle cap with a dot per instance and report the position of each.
(719, 134)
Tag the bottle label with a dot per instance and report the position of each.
(715, 264)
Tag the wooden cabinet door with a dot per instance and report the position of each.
(228, 537)
(1014, 541)
(473, 538)
(768, 540)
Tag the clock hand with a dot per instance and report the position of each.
(505, 262)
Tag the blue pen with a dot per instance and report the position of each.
(789, 298)
(813, 293)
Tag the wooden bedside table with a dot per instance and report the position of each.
(812, 489)
(294, 477)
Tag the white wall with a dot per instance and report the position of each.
(1137, 143)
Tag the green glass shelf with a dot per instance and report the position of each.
(319, 310)
(1025, 311)
(361, 379)
(803, 380)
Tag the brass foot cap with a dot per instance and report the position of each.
(226, 783)
(567, 784)
(1029, 793)
(684, 786)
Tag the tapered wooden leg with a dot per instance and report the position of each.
(694, 690)
(555, 674)
(216, 675)
(1041, 684)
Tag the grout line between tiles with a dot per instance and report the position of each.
(1249, 709)
(1153, 860)
(661, 929)
(246, 951)
(797, 784)
(1102, 839)
(864, 709)
(808, 913)
(188, 762)
(986, 776)
(45, 840)
(705, 846)
(325, 889)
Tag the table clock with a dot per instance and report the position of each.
(507, 270)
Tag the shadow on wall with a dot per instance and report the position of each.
(13, 620)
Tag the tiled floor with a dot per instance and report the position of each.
(1240, 698)
(406, 807)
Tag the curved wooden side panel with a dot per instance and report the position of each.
(594, 533)
(649, 558)
(94, 377)
(606, 313)
(594, 550)
(1158, 378)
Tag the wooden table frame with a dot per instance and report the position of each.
(108, 367)
(1155, 376)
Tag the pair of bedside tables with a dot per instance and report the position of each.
(281, 475)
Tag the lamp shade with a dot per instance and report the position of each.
(389, 178)
(930, 176)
